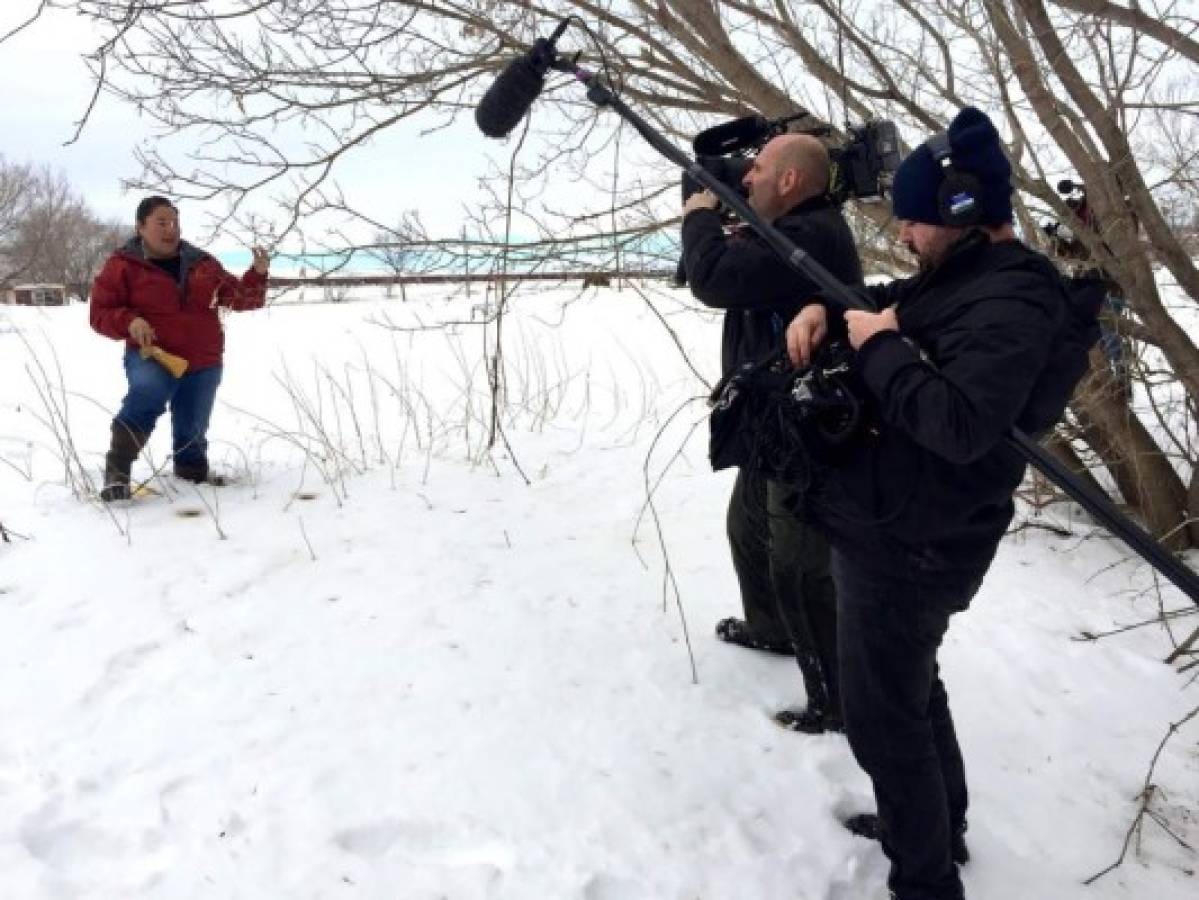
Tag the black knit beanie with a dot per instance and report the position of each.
(975, 148)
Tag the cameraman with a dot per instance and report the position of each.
(781, 563)
(1066, 244)
(916, 508)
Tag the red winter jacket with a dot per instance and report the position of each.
(184, 315)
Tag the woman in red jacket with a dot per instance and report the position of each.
(161, 291)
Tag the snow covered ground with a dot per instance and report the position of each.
(385, 666)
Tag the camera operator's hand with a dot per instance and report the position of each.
(701, 200)
(805, 333)
(865, 325)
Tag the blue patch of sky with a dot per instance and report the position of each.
(653, 251)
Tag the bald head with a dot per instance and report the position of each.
(807, 156)
(790, 169)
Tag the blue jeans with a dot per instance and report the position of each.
(897, 713)
(151, 388)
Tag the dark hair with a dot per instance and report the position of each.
(150, 204)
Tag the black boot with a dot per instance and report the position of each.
(200, 473)
(811, 720)
(118, 462)
(867, 825)
(192, 471)
(737, 631)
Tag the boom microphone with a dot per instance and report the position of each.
(509, 98)
(515, 88)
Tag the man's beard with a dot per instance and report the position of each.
(923, 261)
(932, 254)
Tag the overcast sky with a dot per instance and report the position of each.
(46, 88)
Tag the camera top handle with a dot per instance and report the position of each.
(844, 298)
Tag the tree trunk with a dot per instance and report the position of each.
(1059, 445)
(1193, 508)
(1146, 479)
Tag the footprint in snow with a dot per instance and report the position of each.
(118, 668)
(612, 887)
(424, 843)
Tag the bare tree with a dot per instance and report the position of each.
(278, 93)
(36, 237)
(18, 192)
(47, 232)
(87, 242)
(405, 249)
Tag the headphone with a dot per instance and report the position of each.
(959, 200)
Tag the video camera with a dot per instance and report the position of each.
(1064, 242)
(861, 168)
(1075, 194)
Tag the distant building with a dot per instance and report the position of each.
(35, 295)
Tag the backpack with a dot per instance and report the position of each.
(1077, 334)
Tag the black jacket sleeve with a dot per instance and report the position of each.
(984, 366)
(889, 293)
(734, 272)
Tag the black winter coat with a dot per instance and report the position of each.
(741, 274)
(933, 482)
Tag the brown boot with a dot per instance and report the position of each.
(126, 445)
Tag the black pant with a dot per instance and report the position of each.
(897, 713)
(782, 566)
